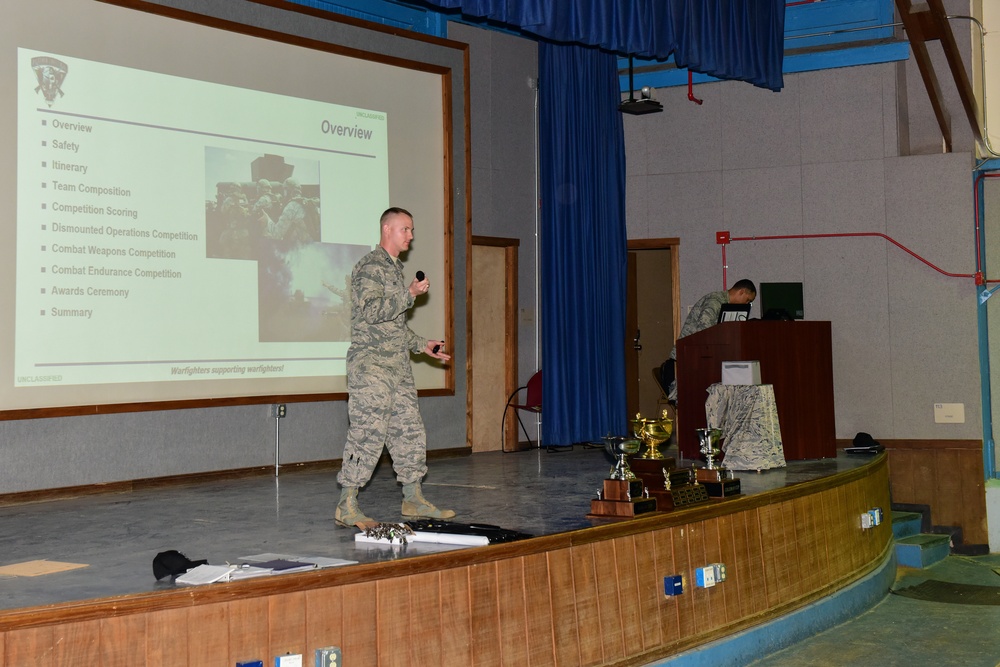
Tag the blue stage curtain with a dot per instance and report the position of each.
(728, 39)
(583, 239)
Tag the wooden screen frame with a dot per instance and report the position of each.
(450, 119)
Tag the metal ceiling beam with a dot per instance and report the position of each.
(926, 23)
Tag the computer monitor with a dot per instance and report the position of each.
(780, 301)
(734, 312)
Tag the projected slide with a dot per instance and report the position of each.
(173, 229)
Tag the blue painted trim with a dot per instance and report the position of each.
(847, 57)
(983, 327)
(830, 15)
(385, 12)
(745, 647)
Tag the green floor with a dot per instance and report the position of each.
(912, 633)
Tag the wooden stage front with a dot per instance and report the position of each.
(592, 595)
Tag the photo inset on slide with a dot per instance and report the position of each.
(304, 291)
(252, 198)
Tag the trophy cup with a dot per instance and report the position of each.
(620, 447)
(709, 443)
(653, 433)
(650, 464)
(672, 487)
(623, 494)
(718, 480)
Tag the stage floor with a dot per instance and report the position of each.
(117, 535)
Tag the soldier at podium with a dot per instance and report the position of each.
(704, 314)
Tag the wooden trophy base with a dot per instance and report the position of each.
(683, 492)
(652, 471)
(621, 499)
(712, 474)
(679, 497)
(641, 466)
(724, 489)
(720, 482)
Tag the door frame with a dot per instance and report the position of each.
(510, 247)
(667, 243)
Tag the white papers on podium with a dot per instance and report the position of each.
(322, 561)
(436, 538)
(260, 565)
(319, 561)
(205, 574)
(249, 572)
(283, 566)
(259, 558)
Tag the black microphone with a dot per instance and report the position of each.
(420, 276)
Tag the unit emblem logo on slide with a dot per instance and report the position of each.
(51, 73)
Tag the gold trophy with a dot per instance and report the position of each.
(718, 479)
(650, 464)
(653, 433)
(672, 487)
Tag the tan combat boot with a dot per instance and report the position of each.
(348, 513)
(415, 505)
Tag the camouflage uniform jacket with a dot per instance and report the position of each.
(380, 297)
(704, 314)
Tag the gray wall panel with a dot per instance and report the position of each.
(846, 284)
(902, 338)
(891, 109)
(503, 146)
(637, 207)
(844, 198)
(689, 206)
(766, 201)
(760, 128)
(842, 115)
(935, 343)
(484, 224)
(636, 130)
(699, 146)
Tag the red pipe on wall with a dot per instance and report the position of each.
(846, 235)
(691, 89)
(723, 239)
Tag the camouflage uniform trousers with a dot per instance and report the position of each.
(382, 408)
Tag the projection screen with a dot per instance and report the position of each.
(185, 203)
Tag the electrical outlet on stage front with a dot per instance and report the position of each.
(328, 657)
(673, 585)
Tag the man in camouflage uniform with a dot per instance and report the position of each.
(382, 403)
(705, 313)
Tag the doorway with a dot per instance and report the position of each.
(492, 342)
(652, 318)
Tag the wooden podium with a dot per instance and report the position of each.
(794, 357)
